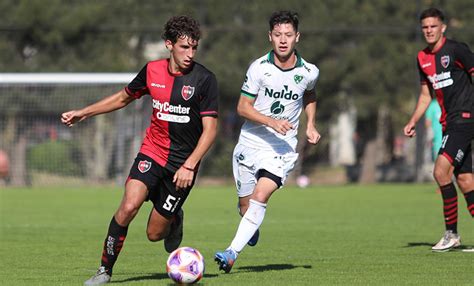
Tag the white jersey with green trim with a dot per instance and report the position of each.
(279, 94)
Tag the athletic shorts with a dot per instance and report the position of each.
(456, 146)
(247, 161)
(159, 181)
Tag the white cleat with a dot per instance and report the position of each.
(101, 277)
(449, 241)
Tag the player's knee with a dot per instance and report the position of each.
(129, 210)
(441, 176)
(154, 235)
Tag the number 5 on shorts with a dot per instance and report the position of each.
(168, 205)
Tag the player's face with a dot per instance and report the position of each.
(182, 53)
(283, 38)
(433, 30)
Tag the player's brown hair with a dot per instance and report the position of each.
(181, 26)
(432, 12)
(284, 17)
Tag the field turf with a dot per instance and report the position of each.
(323, 235)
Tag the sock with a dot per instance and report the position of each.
(450, 205)
(249, 223)
(470, 202)
(113, 244)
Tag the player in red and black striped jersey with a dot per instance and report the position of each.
(183, 127)
(446, 68)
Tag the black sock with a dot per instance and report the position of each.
(450, 205)
(113, 244)
(470, 202)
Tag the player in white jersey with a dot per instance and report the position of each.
(277, 87)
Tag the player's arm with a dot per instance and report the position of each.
(108, 104)
(184, 176)
(423, 102)
(246, 109)
(309, 103)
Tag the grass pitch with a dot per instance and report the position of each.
(348, 235)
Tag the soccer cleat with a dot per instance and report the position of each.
(448, 241)
(225, 259)
(101, 277)
(254, 239)
(174, 238)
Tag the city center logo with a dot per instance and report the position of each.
(277, 108)
(298, 78)
(187, 92)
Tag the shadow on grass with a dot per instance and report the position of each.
(270, 267)
(427, 244)
(155, 276)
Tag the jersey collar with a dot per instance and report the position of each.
(443, 41)
(299, 61)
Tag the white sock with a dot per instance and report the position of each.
(249, 223)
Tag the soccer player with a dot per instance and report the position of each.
(446, 67)
(432, 117)
(277, 87)
(183, 127)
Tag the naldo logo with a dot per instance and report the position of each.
(277, 108)
(284, 93)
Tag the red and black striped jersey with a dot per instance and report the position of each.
(179, 102)
(448, 72)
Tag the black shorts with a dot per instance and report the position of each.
(456, 146)
(159, 181)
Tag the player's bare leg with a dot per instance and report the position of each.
(443, 173)
(133, 198)
(169, 229)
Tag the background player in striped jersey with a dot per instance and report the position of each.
(446, 66)
(277, 87)
(183, 126)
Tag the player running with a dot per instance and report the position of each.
(446, 66)
(183, 127)
(277, 87)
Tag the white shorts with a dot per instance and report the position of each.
(247, 161)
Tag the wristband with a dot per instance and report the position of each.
(187, 168)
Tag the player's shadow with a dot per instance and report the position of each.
(417, 244)
(155, 276)
(270, 267)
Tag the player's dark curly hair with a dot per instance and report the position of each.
(284, 17)
(432, 12)
(181, 26)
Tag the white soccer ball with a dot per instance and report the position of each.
(185, 265)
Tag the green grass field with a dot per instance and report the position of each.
(348, 235)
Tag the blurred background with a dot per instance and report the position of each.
(53, 56)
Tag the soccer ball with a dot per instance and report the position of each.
(185, 265)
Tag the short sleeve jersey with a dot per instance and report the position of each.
(448, 72)
(279, 94)
(179, 102)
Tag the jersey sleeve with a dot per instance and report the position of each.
(465, 57)
(209, 97)
(138, 86)
(251, 83)
(423, 78)
(314, 78)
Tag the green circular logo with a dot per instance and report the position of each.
(277, 108)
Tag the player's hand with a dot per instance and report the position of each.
(280, 126)
(409, 129)
(71, 117)
(183, 178)
(313, 135)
